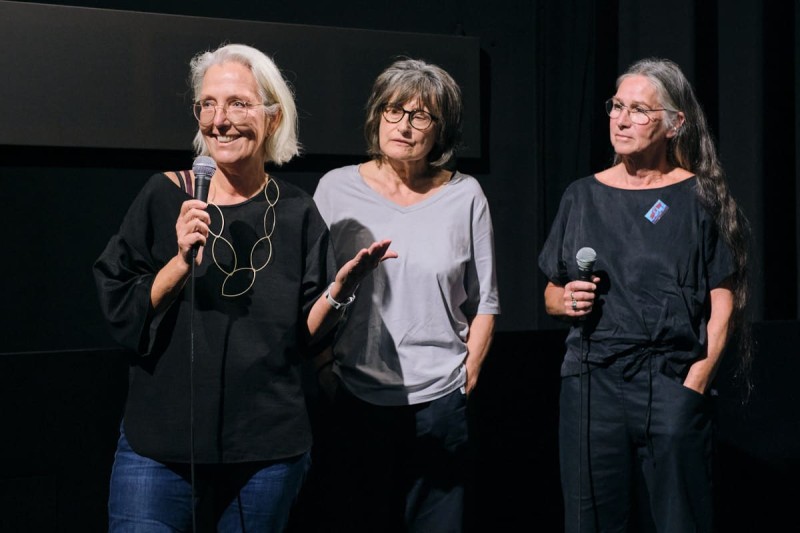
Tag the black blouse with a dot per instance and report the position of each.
(659, 255)
(248, 399)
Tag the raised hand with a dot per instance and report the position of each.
(364, 262)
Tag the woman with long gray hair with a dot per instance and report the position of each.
(653, 306)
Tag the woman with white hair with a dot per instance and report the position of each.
(219, 301)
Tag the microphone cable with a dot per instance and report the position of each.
(585, 258)
(584, 370)
(203, 169)
(191, 391)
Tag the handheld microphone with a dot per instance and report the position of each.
(203, 168)
(585, 257)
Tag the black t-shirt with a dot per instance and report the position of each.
(659, 255)
(248, 400)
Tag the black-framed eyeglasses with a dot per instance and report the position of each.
(236, 111)
(419, 119)
(639, 115)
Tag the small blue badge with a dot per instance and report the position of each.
(656, 212)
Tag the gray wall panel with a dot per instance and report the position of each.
(99, 78)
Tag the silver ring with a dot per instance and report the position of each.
(574, 305)
(572, 295)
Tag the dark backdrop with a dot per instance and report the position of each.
(535, 73)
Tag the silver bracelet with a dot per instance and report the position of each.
(338, 305)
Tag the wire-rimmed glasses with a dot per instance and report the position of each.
(639, 114)
(236, 111)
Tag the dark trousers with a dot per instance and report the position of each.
(397, 469)
(644, 445)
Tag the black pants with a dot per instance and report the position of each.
(399, 468)
(644, 449)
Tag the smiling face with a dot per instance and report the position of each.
(402, 143)
(628, 138)
(240, 145)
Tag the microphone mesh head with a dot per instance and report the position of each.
(204, 166)
(586, 258)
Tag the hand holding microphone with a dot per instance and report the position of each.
(585, 258)
(203, 168)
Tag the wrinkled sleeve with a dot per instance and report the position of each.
(124, 273)
(320, 267)
(482, 286)
(551, 258)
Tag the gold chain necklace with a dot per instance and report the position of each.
(267, 239)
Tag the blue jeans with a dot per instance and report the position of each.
(147, 496)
